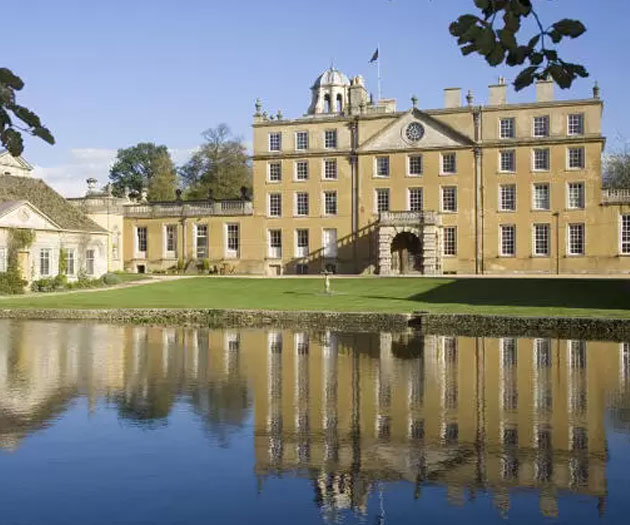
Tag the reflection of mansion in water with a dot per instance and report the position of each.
(347, 411)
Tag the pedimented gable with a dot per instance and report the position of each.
(403, 134)
(24, 215)
(10, 165)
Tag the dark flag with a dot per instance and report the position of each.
(374, 56)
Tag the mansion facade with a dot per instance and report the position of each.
(356, 186)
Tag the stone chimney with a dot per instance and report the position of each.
(498, 93)
(452, 98)
(544, 91)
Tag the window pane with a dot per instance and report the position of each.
(625, 234)
(507, 160)
(275, 172)
(415, 165)
(415, 199)
(449, 198)
(330, 169)
(382, 166)
(541, 197)
(576, 239)
(449, 240)
(541, 159)
(575, 195)
(507, 197)
(449, 163)
(506, 128)
(541, 239)
(508, 239)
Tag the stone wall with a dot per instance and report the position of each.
(594, 328)
(216, 318)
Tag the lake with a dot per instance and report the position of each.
(133, 424)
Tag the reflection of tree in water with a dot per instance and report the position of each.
(223, 407)
(150, 408)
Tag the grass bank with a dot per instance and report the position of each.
(535, 297)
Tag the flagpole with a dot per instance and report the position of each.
(378, 70)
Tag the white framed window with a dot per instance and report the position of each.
(508, 240)
(275, 204)
(575, 124)
(45, 256)
(329, 237)
(381, 199)
(301, 243)
(415, 199)
(301, 170)
(449, 199)
(575, 158)
(414, 165)
(70, 261)
(575, 195)
(141, 240)
(542, 239)
(449, 241)
(541, 126)
(624, 234)
(301, 140)
(541, 197)
(274, 171)
(507, 161)
(170, 238)
(506, 128)
(275, 141)
(448, 164)
(575, 239)
(507, 197)
(330, 203)
(330, 169)
(232, 240)
(90, 259)
(3, 259)
(330, 138)
(381, 166)
(301, 204)
(275, 244)
(540, 159)
(201, 241)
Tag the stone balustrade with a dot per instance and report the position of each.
(189, 209)
(616, 196)
(411, 218)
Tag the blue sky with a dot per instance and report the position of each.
(108, 74)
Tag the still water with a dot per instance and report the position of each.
(126, 424)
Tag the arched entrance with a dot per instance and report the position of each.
(406, 253)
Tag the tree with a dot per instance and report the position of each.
(15, 118)
(144, 166)
(500, 45)
(220, 167)
(616, 168)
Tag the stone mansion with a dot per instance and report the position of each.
(356, 186)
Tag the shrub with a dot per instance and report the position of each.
(47, 285)
(111, 279)
(205, 265)
(11, 282)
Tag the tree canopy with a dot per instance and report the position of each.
(14, 118)
(220, 167)
(616, 168)
(144, 167)
(494, 33)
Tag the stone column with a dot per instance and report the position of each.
(385, 236)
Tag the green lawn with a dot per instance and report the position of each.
(573, 297)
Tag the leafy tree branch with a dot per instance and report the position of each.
(16, 119)
(499, 42)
